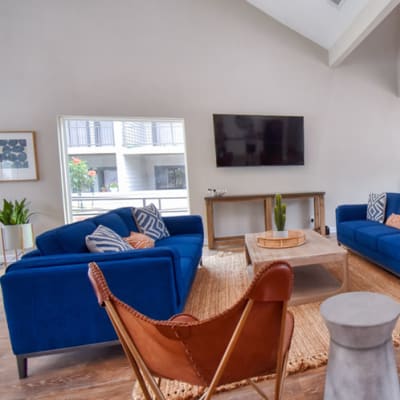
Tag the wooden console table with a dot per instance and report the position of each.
(268, 199)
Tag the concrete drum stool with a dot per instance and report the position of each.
(361, 363)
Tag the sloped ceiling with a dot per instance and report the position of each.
(337, 28)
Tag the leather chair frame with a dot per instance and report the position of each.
(272, 284)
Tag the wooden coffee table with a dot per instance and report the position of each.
(312, 281)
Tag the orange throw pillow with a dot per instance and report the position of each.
(394, 221)
(139, 240)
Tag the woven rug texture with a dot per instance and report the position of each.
(223, 279)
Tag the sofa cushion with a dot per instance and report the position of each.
(66, 239)
(348, 228)
(150, 222)
(126, 214)
(139, 240)
(389, 245)
(104, 240)
(182, 240)
(376, 207)
(393, 221)
(369, 236)
(114, 222)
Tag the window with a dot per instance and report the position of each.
(109, 163)
(170, 177)
(89, 133)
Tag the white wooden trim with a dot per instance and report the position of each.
(372, 15)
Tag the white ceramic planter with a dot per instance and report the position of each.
(27, 234)
(17, 236)
(280, 234)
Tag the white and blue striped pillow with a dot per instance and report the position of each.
(150, 222)
(376, 207)
(103, 240)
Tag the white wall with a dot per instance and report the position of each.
(189, 59)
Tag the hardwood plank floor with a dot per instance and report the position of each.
(104, 374)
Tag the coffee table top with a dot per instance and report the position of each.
(316, 249)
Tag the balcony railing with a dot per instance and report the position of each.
(168, 202)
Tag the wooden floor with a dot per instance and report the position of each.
(104, 374)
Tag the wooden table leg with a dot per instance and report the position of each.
(268, 213)
(317, 216)
(210, 224)
(322, 214)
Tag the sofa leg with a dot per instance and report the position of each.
(22, 364)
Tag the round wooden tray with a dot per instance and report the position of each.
(267, 239)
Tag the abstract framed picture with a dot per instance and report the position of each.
(18, 156)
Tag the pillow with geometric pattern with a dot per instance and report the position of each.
(139, 240)
(150, 222)
(393, 221)
(376, 207)
(104, 240)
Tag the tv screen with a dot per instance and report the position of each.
(249, 140)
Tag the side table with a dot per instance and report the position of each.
(361, 362)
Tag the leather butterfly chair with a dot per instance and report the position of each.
(250, 339)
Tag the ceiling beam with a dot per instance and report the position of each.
(371, 16)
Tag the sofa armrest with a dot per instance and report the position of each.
(183, 224)
(32, 253)
(53, 308)
(351, 212)
(70, 259)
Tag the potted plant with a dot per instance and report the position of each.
(113, 187)
(81, 176)
(280, 216)
(16, 230)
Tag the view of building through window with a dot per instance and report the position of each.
(117, 163)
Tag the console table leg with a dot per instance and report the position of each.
(268, 213)
(210, 224)
(322, 214)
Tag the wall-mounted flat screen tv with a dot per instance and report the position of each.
(250, 140)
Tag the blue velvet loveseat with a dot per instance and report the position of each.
(48, 300)
(373, 240)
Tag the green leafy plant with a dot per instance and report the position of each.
(113, 186)
(279, 213)
(15, 213)
(81, 178)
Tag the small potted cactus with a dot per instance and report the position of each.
(280, 217)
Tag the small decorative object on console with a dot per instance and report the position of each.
(216, 192)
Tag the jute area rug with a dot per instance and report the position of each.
(223, 279)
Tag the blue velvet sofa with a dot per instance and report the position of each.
(50, 305)
(373, 240)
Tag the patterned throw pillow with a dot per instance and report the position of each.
(394, 221)
(103, 240)
(149, 222)
(376, 207)
(139, 240)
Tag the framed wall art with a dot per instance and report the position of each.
(18, 156)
